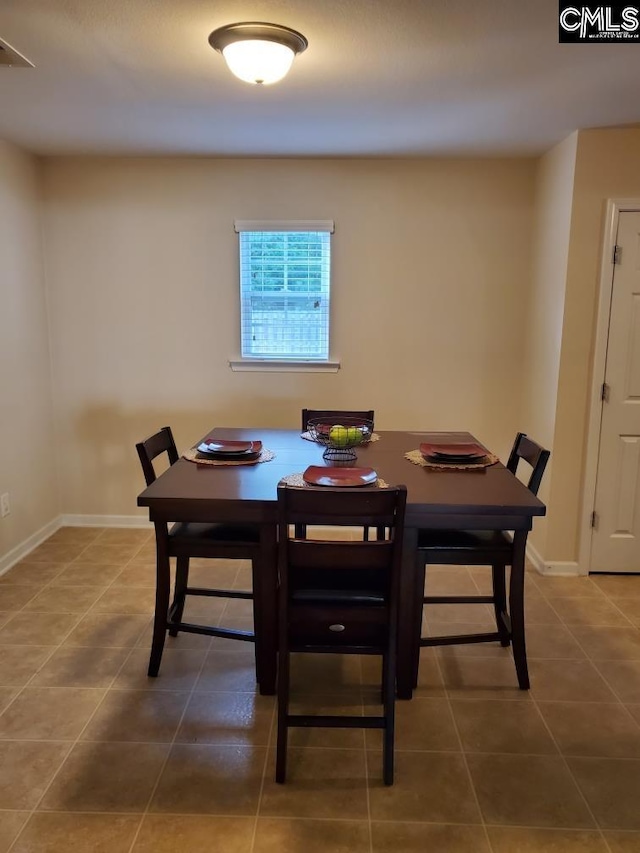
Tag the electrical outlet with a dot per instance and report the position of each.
(5, 506)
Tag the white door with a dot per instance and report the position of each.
(616, 535)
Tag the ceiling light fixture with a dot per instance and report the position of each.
(257, 52)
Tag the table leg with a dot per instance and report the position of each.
(163, 591)
(516, 608)
(265, 610)
(408, 639)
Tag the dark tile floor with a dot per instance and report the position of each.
(94, 756)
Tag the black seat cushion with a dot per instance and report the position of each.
(214, 532)
(465, 540)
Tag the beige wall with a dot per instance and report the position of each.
(431, 272)
(448, 289)
(606, 167)
(545, 311)
(27, 445)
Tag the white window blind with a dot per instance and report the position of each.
(285, 289)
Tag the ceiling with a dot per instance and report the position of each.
(380, 78)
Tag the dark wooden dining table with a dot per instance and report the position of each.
(487, 499)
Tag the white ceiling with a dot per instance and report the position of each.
(379, 78)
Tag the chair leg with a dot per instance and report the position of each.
(419, 597)
(500, 602)
(283, 711)
(389, 697)
(516, 608)
(163, 590)
(179, 595)
(385, 675)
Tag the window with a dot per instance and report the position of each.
(284, 290)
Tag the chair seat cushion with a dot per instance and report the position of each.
(464, 540)
(190, 530)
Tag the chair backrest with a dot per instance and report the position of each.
(152, 447)
(334, 570)
(537, 457)
(333, 415)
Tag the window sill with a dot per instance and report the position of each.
(264, 365)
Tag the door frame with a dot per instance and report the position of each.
(615, 207)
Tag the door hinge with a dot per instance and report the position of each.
(604, 394)
(617, 255)
(594, 520)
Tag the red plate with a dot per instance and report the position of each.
(457, 451)
(320, 475)
(219, 445)
(323, 429)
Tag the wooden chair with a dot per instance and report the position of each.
(333, 416)
(339, 597)
(482, 548)
(183, 541)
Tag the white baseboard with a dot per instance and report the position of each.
(8, 560)
(558, 568)
(552, 569)
(31, 543)
(104, 521)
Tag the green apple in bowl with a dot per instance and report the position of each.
(355, 435)
(345, 436)
(339, 435)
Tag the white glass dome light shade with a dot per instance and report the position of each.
(258, 61)
(258, 52)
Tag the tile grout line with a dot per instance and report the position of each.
(568, 626)
(573, 778)
(328, 749)
(171, 744)
(612, 602)
(72, 743)
(366, 755)
(551, 735)
(459, 737)
(272, 726)
(615, 693)
(466, 767)
(559, 752)
(126, 565)
(601, 593)
(264, 776)
(192, 691)
(591, 660)
(109, 687)
(54, 648)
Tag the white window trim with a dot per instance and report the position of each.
(258, 365)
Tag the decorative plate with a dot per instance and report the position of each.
(220, 449)
(319, 475)
(453, 452)
(220, 445)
